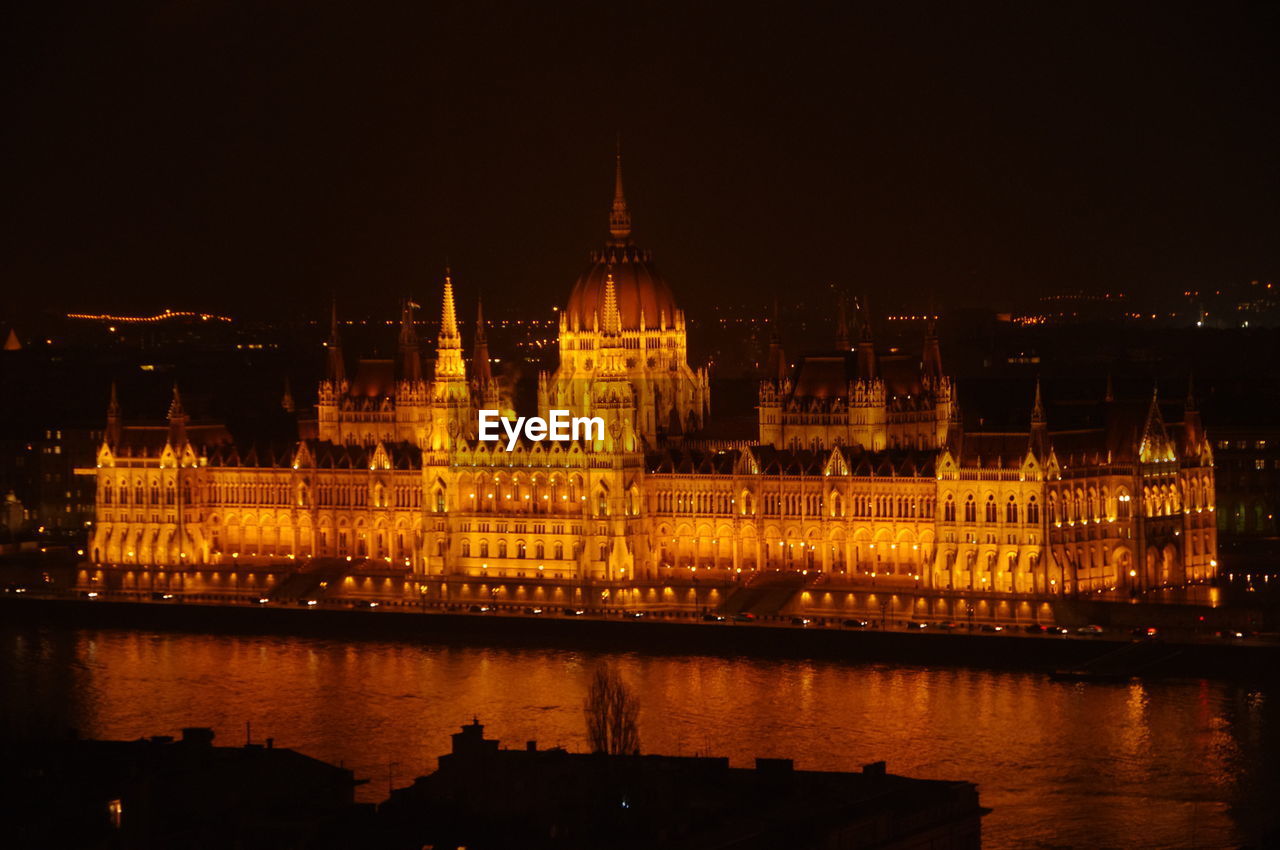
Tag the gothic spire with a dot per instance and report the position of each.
(114, 428)
(449, 344)
(337, 371)
(866, 347)
(175, 405)
(1039, 425)
(931, 361)
(449, 313)
(619, 216)
(177, 420)
(481, 370)
(776, 368)
(611, 321)
(842, 323)
(410, 360)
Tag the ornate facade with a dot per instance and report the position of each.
(864, 472)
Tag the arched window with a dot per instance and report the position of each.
(539, 551)
(990, 510)
(970, 509)
(439, 501)
(1033, 510)
(484, 548)
(502, 548)
(520, 549)
(466, 548)
(558, 551)
(949, 509)
(1011, 511)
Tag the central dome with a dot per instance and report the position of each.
(640, 289)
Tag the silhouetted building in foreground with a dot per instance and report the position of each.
(482, 796)
(164, 793)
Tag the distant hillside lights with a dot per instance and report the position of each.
(560, 427)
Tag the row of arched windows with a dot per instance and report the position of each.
(521, 550)
(1012, 513)
(141, 494)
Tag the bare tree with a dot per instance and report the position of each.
(611, 709)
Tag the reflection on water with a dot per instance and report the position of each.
(1157, 764)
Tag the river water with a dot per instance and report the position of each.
(1190, 763)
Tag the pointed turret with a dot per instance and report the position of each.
(449, 342)
(410, 358)
(114, 422)
(337, 370)
(619, 215)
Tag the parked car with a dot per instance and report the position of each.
(1145, 632)
(855, 624)
(948, 626)
(1035, 629)
(364, 603)
(744, 617)
(916, 624)
(1089, 630)
(574, 612)
(713, 618)
(800, 621)
(534, 611)
(992, 627)
(479, 609)
(635, 615)
(1057, 630)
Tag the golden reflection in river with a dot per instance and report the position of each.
(1061, 764)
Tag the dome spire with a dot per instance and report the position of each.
(619, 216)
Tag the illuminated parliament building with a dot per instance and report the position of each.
(862, 474)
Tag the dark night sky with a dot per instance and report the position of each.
(250, 157)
